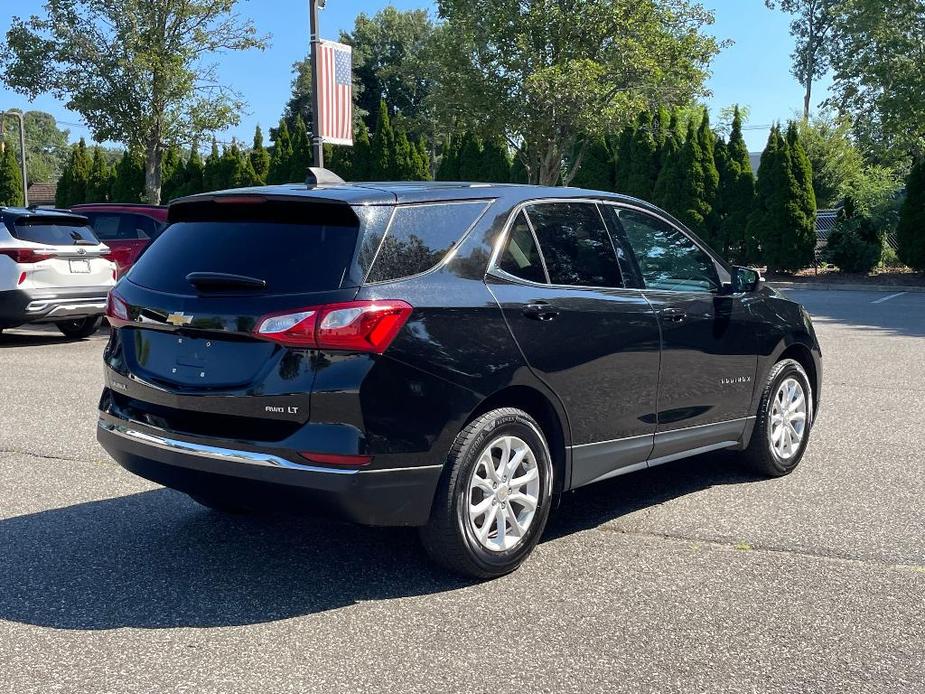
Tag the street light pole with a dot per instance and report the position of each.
(22, 149)
(317, 145)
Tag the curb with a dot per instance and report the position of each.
(835, 286)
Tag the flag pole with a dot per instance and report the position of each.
(317, 145)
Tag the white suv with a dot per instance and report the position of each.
(53, 269)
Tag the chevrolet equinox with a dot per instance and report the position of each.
(443, 355)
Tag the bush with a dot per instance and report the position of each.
(854, 244)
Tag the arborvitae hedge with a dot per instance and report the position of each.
(911, 230)
(10, 179)
(737, 192)
(99, 186)
(642, 170)
(129, 182)
(260, 158)
(597, 168)
(280, 159)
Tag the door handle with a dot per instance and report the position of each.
(540, 310)
(673, 315)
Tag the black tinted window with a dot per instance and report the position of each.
(110, 226)
(667, 258)
(521, 257)
(292, 258)
(419, 236)
(575, 245)
(53, 232)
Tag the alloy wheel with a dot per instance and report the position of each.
(503, 493)
(788, 419)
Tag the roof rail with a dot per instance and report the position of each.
(316, 176)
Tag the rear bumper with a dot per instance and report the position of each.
(390, 496)
(18, 306)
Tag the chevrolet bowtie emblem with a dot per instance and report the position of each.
(179, 319)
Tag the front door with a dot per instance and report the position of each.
(594, 342)
(708, 350)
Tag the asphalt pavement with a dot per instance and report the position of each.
(692, 577)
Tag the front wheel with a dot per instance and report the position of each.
(494, 497)
(79, 328)
(783, 423)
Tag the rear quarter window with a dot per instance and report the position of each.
(419, 236)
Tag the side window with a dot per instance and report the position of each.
(419, 237)
(575, 244)
(521, 257)
(136, 226)
(667, 258)
(628, 266)
(105, 226)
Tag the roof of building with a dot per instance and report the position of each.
(42, 193)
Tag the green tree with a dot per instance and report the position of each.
(623, 158)
(47, 148)
(106, 58)
(212, 175)
(76, 177)
(780, 223)
(496, 161)
(129, 182)
(449, 159)
(693, 206)
(281, 158)
(803, 175)
(879, 75)
(301, 151)
(854, 245)
(173, 172)
(470, 158)
(911, 230)
(383, 146)
(10, 178)
(99, 186)
(811, 27)
(597, 169)
(642, 171)
(195, 170)
(667, 191)
(552, 74)
(362, 168)
(707, 141)
(260, 158)
(736, 196)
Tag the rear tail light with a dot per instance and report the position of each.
(116, 310)
(25, 255)
(337, 459)
(355, 326)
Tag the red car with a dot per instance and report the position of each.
(125, 227)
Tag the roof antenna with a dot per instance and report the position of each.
(316, 176)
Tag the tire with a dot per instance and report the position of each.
(462, 544)
(217, 503)
(764, 454)
(79, 328)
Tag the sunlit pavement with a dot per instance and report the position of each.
(694, 576)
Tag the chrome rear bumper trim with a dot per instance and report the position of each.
(214, 452)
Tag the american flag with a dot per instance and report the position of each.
(335, 92)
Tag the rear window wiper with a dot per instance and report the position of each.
(224, 280)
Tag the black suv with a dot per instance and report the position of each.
(442, 355)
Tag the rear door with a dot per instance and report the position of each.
(63, 253)
(593, 341)
(708, 347)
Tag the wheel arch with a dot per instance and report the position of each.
(548, 415)
(803, 355)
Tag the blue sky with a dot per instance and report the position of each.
(755, 71)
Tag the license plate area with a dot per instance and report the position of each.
(80, 267)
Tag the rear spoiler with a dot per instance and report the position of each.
(230, 206)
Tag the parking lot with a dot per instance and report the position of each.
(694, 576)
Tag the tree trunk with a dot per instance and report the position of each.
(155, 151)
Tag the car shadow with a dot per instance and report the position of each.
(43, 337)
(157, 560)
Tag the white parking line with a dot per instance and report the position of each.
(887, 298)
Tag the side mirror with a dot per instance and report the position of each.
(745, 279)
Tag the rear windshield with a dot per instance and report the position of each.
(54, 232)
(123, 226)
(290, 257)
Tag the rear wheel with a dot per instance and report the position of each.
(494, 497)
(783, 422)
(79, 328)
